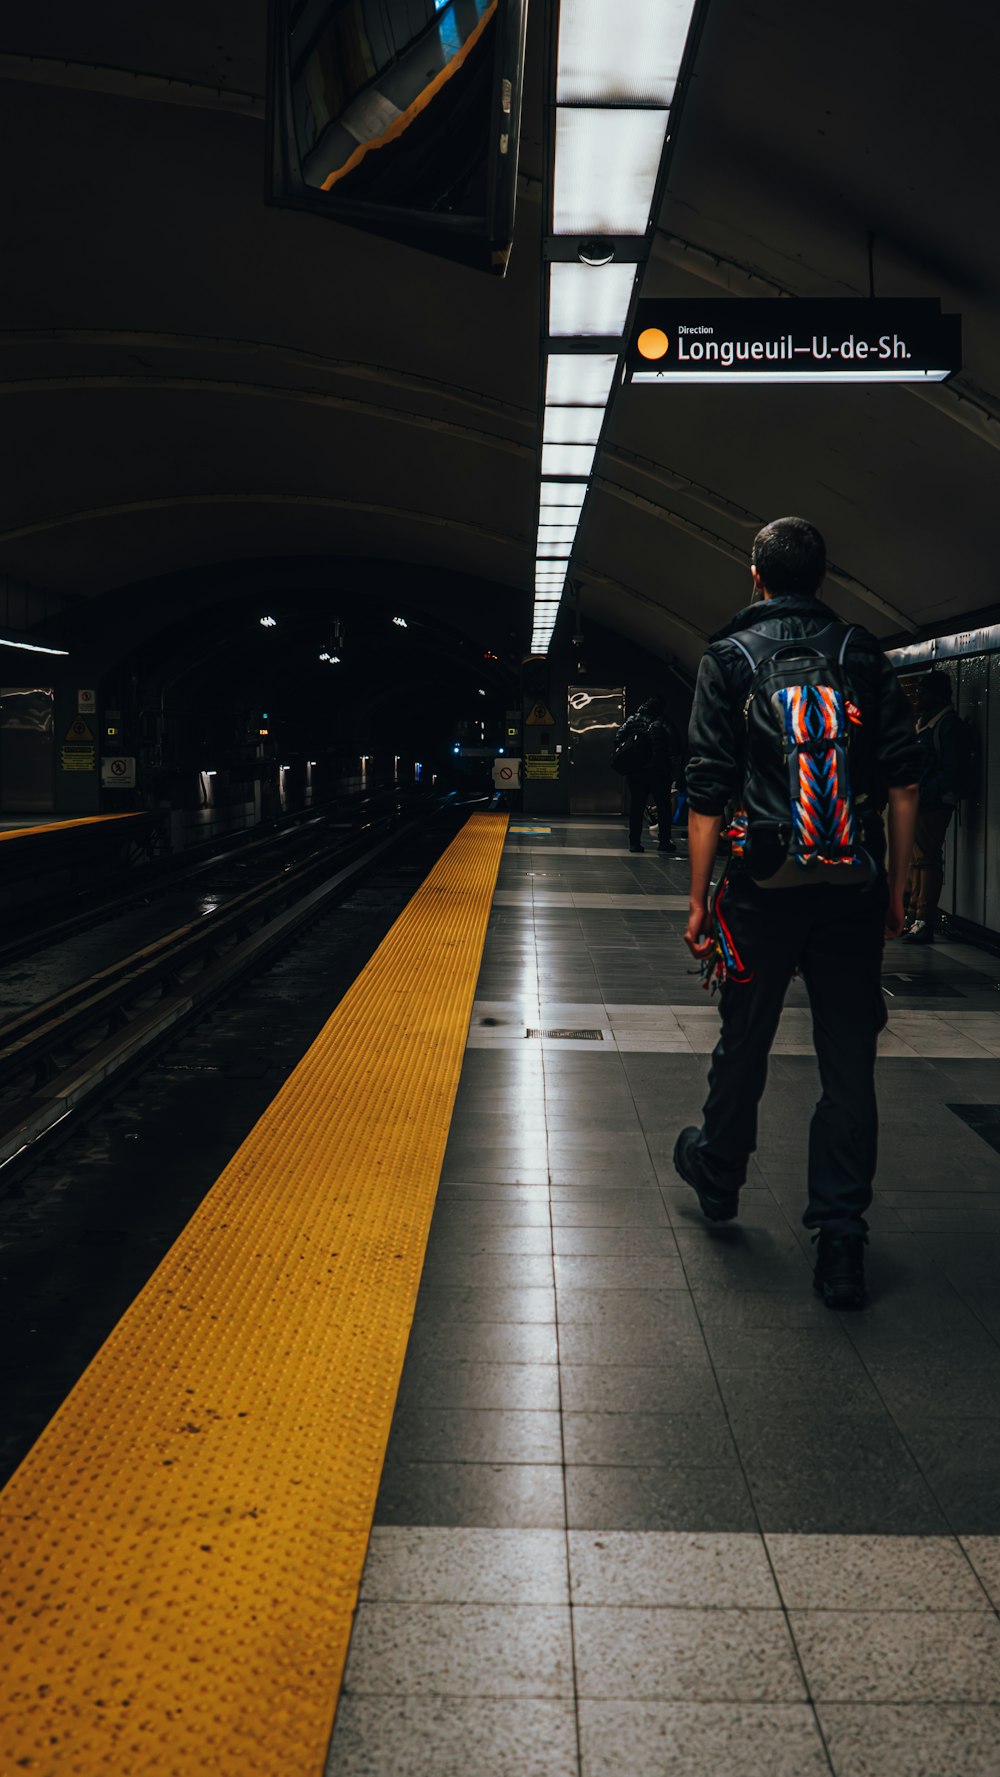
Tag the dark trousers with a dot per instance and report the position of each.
(643, 789)
(834, 937)
(927, 866)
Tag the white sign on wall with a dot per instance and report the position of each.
(118, 773)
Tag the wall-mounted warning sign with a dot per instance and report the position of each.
(79, 748)
(539, 717)
(118, 773)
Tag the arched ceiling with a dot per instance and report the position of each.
(191, 378)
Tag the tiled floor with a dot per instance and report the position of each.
(648, 1507)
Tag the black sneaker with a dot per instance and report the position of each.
(635, 848)
(716, 1206)
(839, 1276)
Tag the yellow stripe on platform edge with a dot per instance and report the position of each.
(182, 1548)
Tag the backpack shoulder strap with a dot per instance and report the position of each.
(833, 640)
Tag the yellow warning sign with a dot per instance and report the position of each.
(541, 765)
(79, 731)
(538, 717)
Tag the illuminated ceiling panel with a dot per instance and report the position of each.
(572, 425)
(606, 166)
(623, 51)
(587, 302)
(579, 379)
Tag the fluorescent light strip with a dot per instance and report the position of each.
(30, 647)
(552, 499)
(605, 171)
(789, 376)
(556, 533)
(626, 53)
(572, 425)
(587, 302)
(567, 459)
(579, 379)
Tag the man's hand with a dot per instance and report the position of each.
(698, 932)
(703, 843)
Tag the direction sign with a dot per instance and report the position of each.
(793, 340)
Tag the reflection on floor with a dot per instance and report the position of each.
(648, 1507)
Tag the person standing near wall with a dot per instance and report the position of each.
(938, 738)
(642, 751)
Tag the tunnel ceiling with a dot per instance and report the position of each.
(193, 378)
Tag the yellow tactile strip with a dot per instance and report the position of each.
(83, 820)
(180, 1552)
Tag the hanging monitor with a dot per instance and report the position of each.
(400, 117)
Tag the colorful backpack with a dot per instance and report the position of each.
(800, 800)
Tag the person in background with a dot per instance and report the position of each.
(649, 777)
(937, 737)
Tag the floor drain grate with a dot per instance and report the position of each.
(580, 1036)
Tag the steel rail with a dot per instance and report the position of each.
(159, 988)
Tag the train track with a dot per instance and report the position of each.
(66, 1053)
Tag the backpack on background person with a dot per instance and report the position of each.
(802, 824)
(633, 748)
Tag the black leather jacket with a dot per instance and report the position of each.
(715, 769)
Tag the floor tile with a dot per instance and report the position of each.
(462, 1302)
(899, 1656)
(502, 1496)
(821, 1500)
(912, 1740)
(668, 1310)
(984, 1554)
(460, 1650)
(481, 1385)
(494, 1342)
(671, 1569)
(466, 1434)
(703, 1656)
(646, 1388)
(701, 1740)
(630, 1344)
(699, 1439)
(662, 1271)
(644, 1498)
(424, 1565)
(878, 1573)
(453, 1737)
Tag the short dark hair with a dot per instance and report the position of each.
(790, 556)
(938, 684)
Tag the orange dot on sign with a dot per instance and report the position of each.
(653, 342)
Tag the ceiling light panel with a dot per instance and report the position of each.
(579, 379)
(572, 425)
(628, 52)
(556, 533)
(566, 494)
(605, 173)
(567, 459)
(589, 304)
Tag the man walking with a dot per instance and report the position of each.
(800, 725)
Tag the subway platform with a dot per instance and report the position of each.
(648, 1506)
(448, 1438)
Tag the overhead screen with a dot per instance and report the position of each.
(400, 117)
